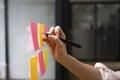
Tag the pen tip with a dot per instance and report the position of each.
(45, 34)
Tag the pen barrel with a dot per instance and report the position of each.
(67, 41)
(71, 43)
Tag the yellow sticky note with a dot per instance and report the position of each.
(34, 68)
(45, 57)
(40, 34)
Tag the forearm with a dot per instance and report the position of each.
(83, 71)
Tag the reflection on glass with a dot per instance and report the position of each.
(108, 31)
(104, 37)
(82, 30)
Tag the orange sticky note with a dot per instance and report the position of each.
(45, 55)
(40, 34)
(34, 68)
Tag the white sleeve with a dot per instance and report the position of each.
(106, 73)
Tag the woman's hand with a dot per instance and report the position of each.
(58, 51)
(57, 47)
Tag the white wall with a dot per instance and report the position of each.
(21, 12)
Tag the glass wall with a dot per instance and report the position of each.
(82, 30)
(2, 41)
(108, 31)
(96, 27)
(21, 12)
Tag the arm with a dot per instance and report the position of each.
(59, 53)
(82, 70)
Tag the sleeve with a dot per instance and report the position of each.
(106, 73)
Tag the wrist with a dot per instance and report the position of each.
(62, 59)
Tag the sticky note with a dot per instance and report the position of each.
(40, 34)
(41, 63)
(34, 68)
(34, 35)
(45, 28)
(45, 55)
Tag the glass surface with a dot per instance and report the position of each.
(108, 31)
(82, 30)
(2, 41)
(104, 37)
(21, 12)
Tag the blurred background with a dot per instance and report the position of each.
(92, 23)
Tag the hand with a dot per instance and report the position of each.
(57, 47)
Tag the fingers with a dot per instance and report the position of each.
(44, 38)
(58, 32)
(51, 31)
(55, 32)
(52, 41)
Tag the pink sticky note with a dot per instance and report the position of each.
(41, 63)
(34, 35)
(45, 28)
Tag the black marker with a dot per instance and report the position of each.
(67, 41)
